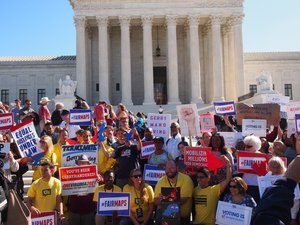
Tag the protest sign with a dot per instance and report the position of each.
(170, 205)
(267, 181)
(188, 119)
(268, 111)
(160, 123)
(280, 100)
(225, 108)
(246, 160)
(291, 127)
(71, 153)
(228, 214)
(109, 202)
(44, 218)
(82, 117)
(196, 156)
(26, 139)
(147, 149)
(78, 179)
(256, 127)
(231, 138)
(207, 122)
(297, 123)
(153, 173)
(6, 121)
(4, 149)
(292, 109)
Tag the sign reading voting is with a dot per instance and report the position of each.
(71, 153)
(147, 149)
(4, 149)
(246, 160)
(160, 123)
(228, 214)
(78, 179)
(82, 117)
(44, 218)
(152, 174)
(225, 108)
(256, 127)
(109, 202)
(6, 121)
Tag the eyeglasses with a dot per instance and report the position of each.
(248, 146)
(232, 186)
(137, 176)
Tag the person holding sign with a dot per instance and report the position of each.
(206, 197)
(141, 200)
(159, 157)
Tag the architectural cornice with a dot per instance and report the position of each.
(80, 21)
(271, 56)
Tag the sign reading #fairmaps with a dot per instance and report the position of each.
(6, 121)
(44, 218)
(82, 117)
(153, 173)
(225, 108)
(247, 159)
(147, 149)
(109, 202)
(160, 123)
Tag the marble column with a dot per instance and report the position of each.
(227, 80)
(218, 87)
(125, 61)
(103, 58)
(195, 60)
(80, 23)
(173, 88)
(231, 63)
(148, 61)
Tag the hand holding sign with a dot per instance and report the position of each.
(101, 131)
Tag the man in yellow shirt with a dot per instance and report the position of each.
(174, 178)
(44, 194)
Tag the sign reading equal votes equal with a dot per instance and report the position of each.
(268, 111)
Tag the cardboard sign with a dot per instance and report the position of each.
(26, 139)
(291, 127)
(44, 218)
(188, 119)
(153, 173)
(147, 149)
(82, 117)
(6, 121)
(231, 138)
(267, 181)
(109, 202)
(207, 122)
(229, 214)
(297, 123)
(196, 156)
(160, 123)
(269, 112)
(78, 179)
(247, 159)
(4, 149)
(225, 108)
(292, 109)
(256, 127)
(71, 153)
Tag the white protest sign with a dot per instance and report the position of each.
(256, 127)
(71, 153)
(188, 119)
(228, 214)
(6, 121)
(4, 149)
(160, 123)
(48, 218)
(207, 122)
(231, 138)
(280, 100)
(267, 181)
(291, 127)
(292, 109)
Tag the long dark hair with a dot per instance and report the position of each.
(222, 148)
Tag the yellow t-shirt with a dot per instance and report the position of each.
(101, 189)
(50, 156)
(57, 149)
(45, 193)
(105, 163)
(206, 201)
(136, 201)
(186, 186)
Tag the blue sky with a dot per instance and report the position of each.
(45, 27)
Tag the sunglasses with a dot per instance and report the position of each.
(232, 186)
(137, 176)
(248, 146)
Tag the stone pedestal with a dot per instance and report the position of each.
(68, 101)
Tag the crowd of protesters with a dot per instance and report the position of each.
(120, 165)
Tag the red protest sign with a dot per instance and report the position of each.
(6, 121)
(250, 162)
(196, 156)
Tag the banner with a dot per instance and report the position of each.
(147, 149)
(207, 122)
(292, 109)
(231, 138)
(196, 156)
(71, 153)
(44, 218)
(6, 121)
(269, 112)
(229, 214)
(26, 139)
(4, 149)
(246, 160)
(188, 119)
(267, 181)
(153, 173)
(291, 127)
(280, 100)
(297, 123)
(256, 127)
(160, 123)
(225, 108)
(78, 179)
(82, 117)
(109, 202)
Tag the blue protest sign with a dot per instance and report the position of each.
(152, 174)
(225, 108)
(81, 117)
(109, 202)
(297, 121)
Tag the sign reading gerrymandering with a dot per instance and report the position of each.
(160, 123)
(153, 173)
(109, 202)
(82, 117)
